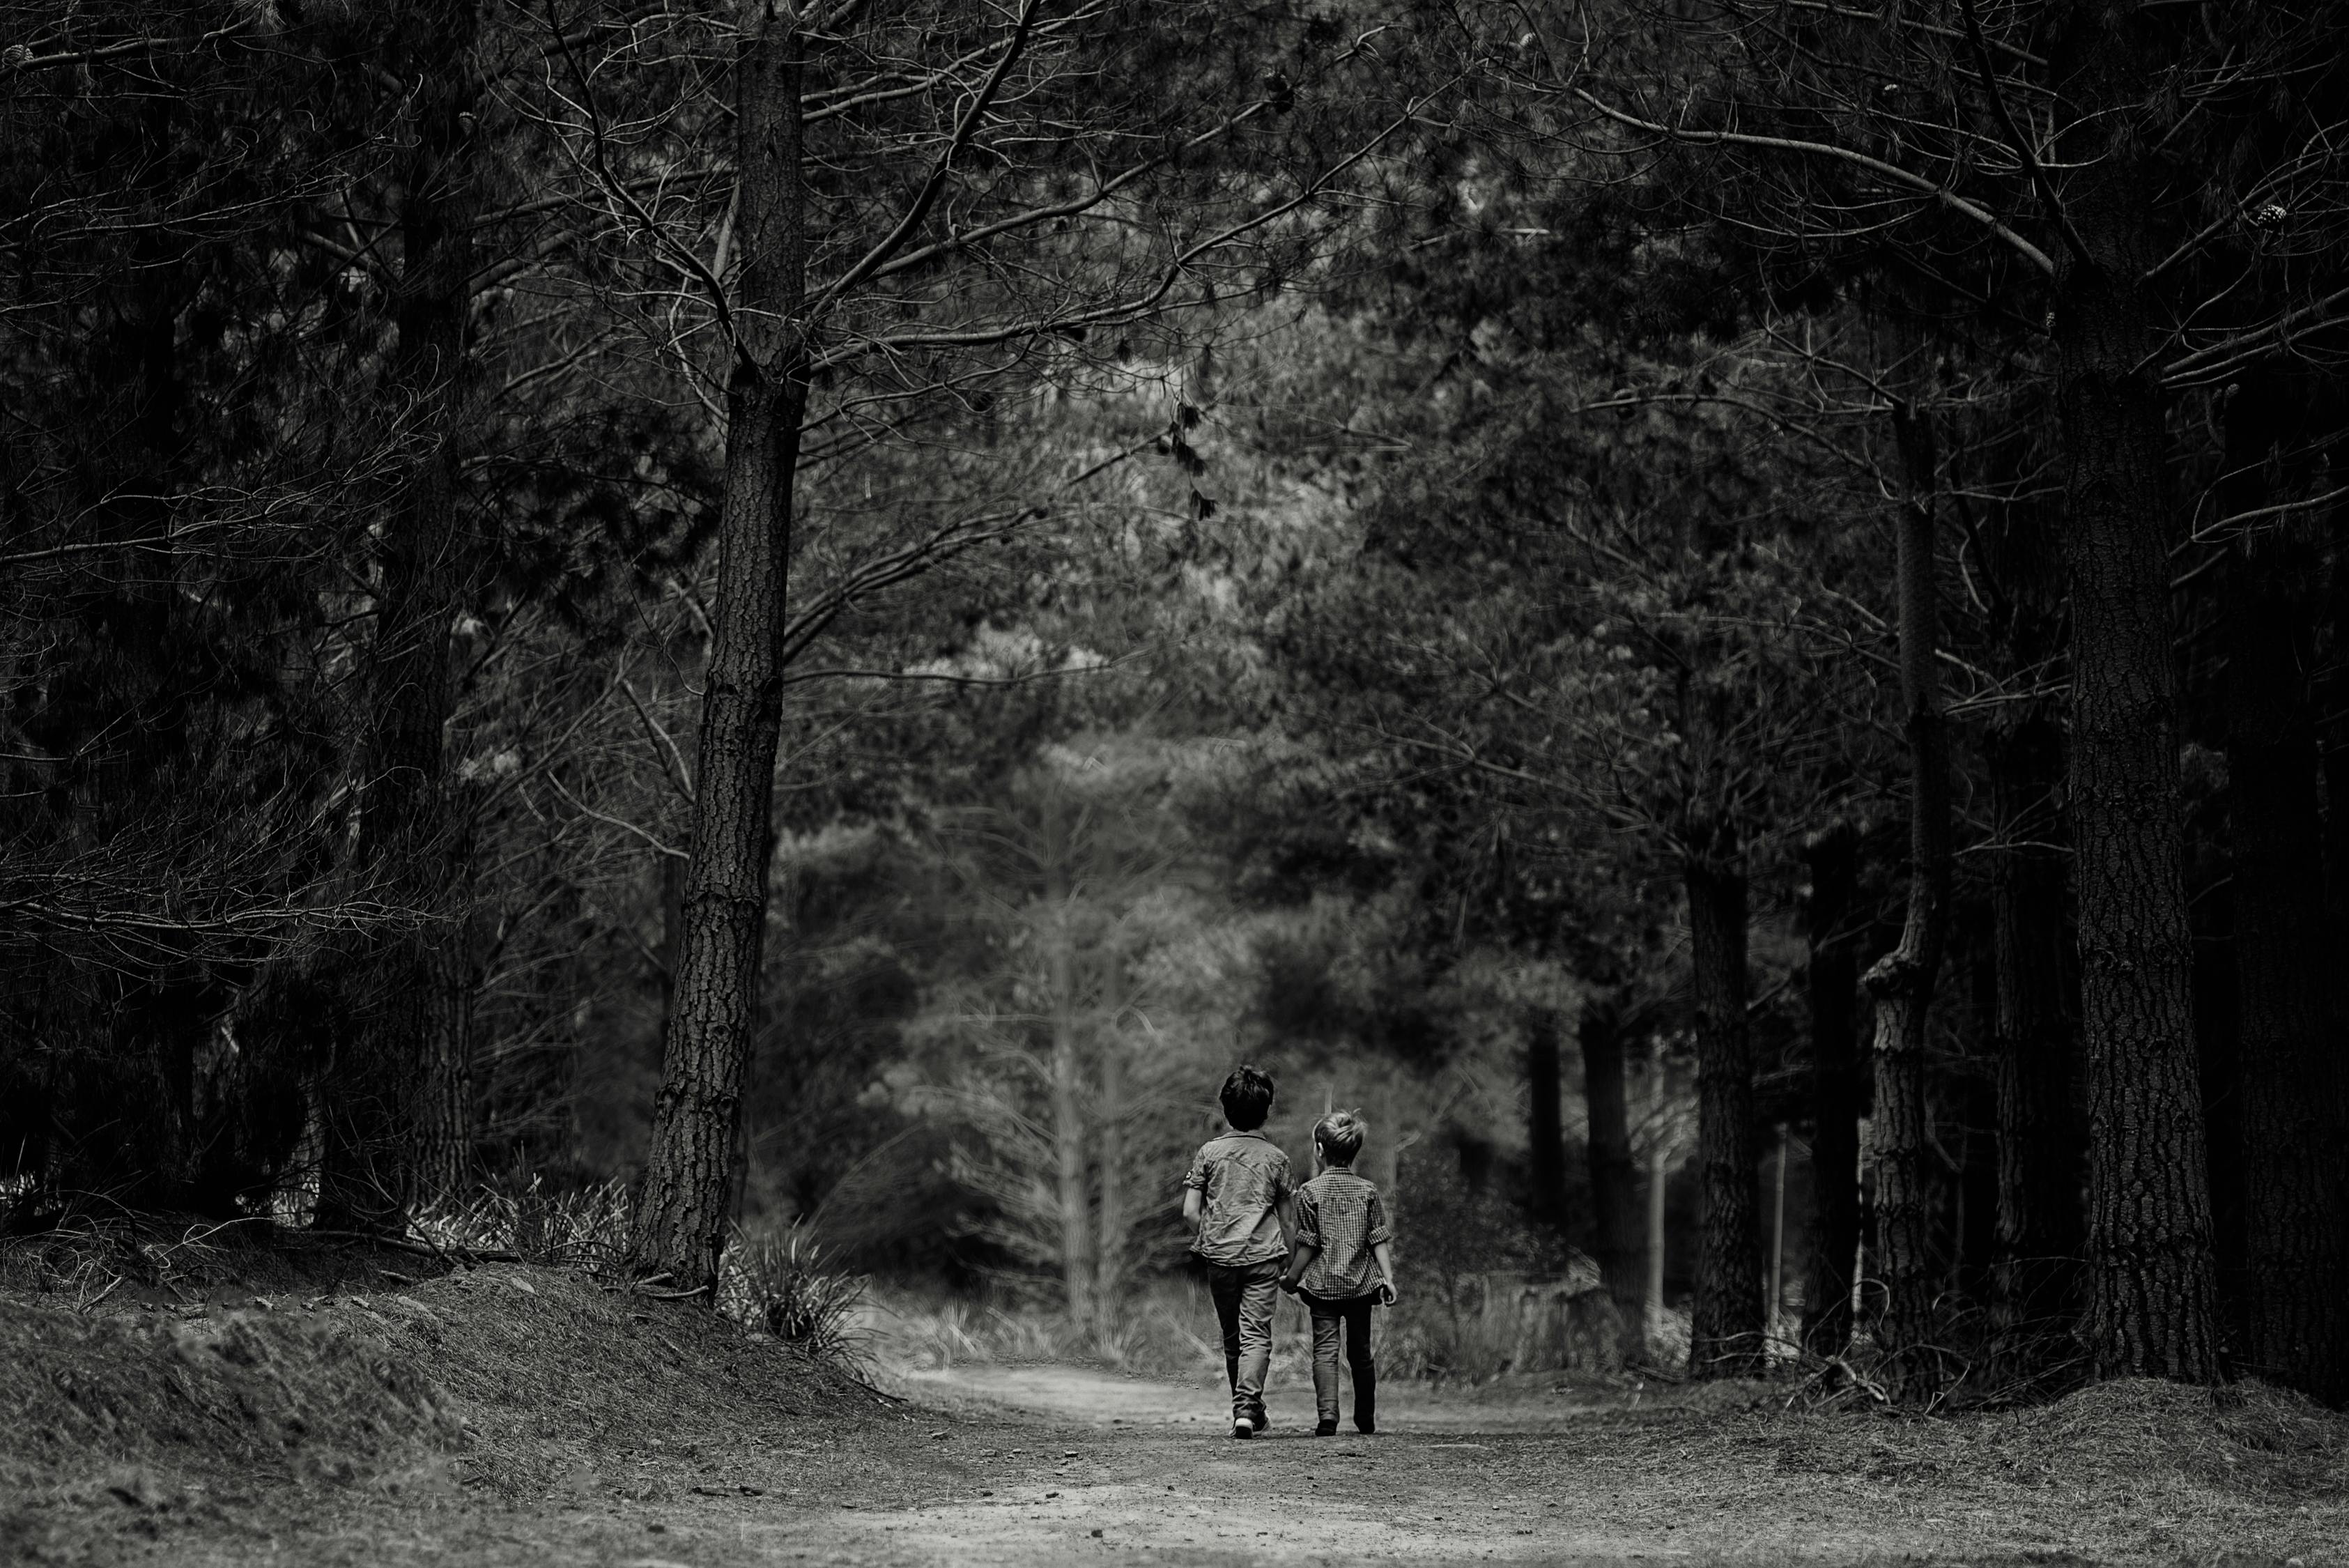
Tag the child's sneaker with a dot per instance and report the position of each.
(1257, 1414)
(1243, 1427)
(1366, 1428)
(1326, 1429)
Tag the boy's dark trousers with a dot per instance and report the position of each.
(1245, 1296)
(1353, 1315)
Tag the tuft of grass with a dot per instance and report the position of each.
(584, 1228)
(785, 1285)
(952, 1331)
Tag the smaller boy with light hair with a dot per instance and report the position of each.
(1342, 1263)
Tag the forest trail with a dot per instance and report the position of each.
(1056, 1465)
(1110, 1399)
(1143, 1467)
(574, 1427)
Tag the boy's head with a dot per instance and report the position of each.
(1247, 1097)
(1338, 1136)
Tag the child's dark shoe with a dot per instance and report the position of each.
(1243, 1427)
(1326, 1429)
(1366, 1428)
(1257, 1414)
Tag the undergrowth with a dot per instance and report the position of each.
(779, 1282)
(1167, 1327)
(88, 1252)
(786, 1286)
(2247, 1439)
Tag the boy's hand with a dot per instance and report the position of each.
(1288, 1284)
(1386, 1293)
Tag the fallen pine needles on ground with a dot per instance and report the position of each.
(501, 1379)
(2248, 1440)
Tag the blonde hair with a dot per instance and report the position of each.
(1340, 1135)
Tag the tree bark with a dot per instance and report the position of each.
(1614, 1178)
(1837, 1093)
(2153, 1296)
(124, 717)
(681, 1204)
(1902, 982)
(444, 1118)
(1544, 1123)
(672, 937)
(1067, 1068)
(2041, 1132)
(2291, 1298)
(2210, 885)
(397, 1127)
(1725, 1331)
(1109, 1271)
(2042, 1228)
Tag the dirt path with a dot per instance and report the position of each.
(1057, 1464)
(1105, 1399)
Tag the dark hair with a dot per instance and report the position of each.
(1340, 1135)
(1247, 1096)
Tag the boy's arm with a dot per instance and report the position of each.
(1195, 1193)
(1384, 1252)
(1302, 1235)
(1300, 1257)
(1284, 1209)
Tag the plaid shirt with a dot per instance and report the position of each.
(1340, 1214)
(1241, 1177)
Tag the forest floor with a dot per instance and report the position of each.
(523, 1417)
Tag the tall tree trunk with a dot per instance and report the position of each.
(1725, 1332)
(2042, 1228)
(131, 1107)
(1652, 1298)
(1902, 982)
(672, 937)
(1614, 1178)
(2152, 1288)
(681, 1205)
(2292, 1297)
(1386, 1135)
(397, 1121)
(2332, 701)
(1545, 1122)
(1838, 1095)
(1067, 1067)
(1109, 1271)
(444, 1118)
(2042, 1131)
(2217, 1017)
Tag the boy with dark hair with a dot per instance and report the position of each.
(1232, 1201)
(1342, 1266)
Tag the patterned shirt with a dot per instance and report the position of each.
(1241, 1179)
(1339, 1213)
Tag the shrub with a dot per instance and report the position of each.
(785, 1285)
(584, 1228)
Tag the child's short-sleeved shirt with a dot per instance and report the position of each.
(1241, 1177)
(1339, 1213)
